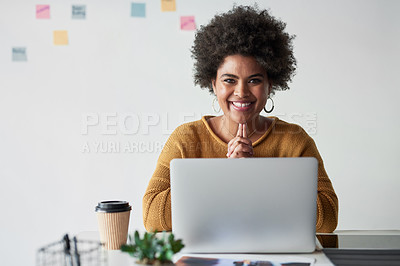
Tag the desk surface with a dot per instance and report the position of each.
(361, 240)
(343, 239)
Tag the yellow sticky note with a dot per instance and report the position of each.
(60, 37)
(168, 5)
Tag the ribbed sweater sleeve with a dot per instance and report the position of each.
(327, 201)
(157, 198)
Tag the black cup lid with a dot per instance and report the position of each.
(113, 206)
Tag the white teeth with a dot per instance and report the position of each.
(237, 104)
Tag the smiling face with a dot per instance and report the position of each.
(241, 86)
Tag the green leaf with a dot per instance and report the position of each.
(171, 238)
(128, 248)
(131, 249)
(169, 254)
(176, 245)
(151, 248)
(137, 238)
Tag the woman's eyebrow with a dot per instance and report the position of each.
(236, 77)
(229, 76)
(257, 75)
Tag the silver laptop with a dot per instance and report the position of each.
(252, 205)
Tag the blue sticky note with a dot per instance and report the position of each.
(138, 10)
(19, 54)
(78, 11)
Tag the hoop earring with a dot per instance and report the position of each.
(213, 106)
(272, 108)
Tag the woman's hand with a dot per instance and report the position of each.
(240, 146)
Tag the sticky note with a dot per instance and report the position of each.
(168, 5)
(60, 37)
(19, 54)
(187, 23)
(43, 11)
(138, 10)
(78, 11)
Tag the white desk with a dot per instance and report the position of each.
(118, 258)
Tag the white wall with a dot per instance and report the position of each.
(114, 64)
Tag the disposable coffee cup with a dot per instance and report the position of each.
(113, 219)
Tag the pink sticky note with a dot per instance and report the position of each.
(42, 11)
(187, 23)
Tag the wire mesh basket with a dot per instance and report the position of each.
(72, 253)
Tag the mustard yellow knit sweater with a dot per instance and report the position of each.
(197, 140)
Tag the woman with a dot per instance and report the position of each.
(242, 57)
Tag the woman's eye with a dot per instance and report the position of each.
(229, 80)
(255, 81)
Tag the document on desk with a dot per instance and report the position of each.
(250, 260)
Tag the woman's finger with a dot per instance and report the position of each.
(240, 131)
(230, 144)
(238, 134)
(241, 151)
(240, 140)
(243, 140)
(243, 148)
(240, 146)
(240, 155)
(235, 141)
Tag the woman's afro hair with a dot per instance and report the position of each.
(247, 31)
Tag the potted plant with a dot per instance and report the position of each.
(152, 249)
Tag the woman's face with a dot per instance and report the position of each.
(241, 86)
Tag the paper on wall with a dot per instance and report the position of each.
(138, 10)
(19, 54)
(42, 11)
(188, 23)
(168, 5)
(78, 11)
(60, 37)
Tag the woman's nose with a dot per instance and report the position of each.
(242, 90)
